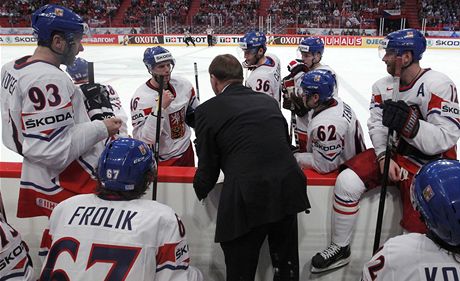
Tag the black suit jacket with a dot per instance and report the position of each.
(245, 134)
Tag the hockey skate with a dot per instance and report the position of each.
(332, 257)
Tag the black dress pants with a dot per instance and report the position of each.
(242, 253)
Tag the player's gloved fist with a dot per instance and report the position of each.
(296, 66)
(288, 89)
(97, 101)
(402, 118)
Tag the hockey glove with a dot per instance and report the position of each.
(291, 101)
(402, 118)
(296, 66)
(97, 101)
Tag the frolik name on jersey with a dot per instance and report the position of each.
(103, 217)
(11, 258)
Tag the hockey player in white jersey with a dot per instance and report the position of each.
(115, 235)
(427, 120)
(435, 256)
(45, 120)
(265, 68)
(79, 73)
(334, 133)
(178, 110)
(311, 50)
(15, 262)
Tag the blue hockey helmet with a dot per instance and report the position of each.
(311, 44)
(78, 70)
(253, 40)
(156, 55)
(435, 193)
(319, 81)
(50, 18)
(123, 164)
(405, 40)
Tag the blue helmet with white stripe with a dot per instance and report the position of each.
(311, 44)
(253, 40)
(78, 70)
(156, 55)
(435, 193)
(405, 40)
(319, 81)
(54, 18)
(124, 163)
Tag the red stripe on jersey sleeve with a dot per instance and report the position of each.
(378, 99)
(435, 102)
(166, 253)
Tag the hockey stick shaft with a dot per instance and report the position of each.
(91, 72)
(156, 147)
(386, 163)
(2, 208)
(196, 81)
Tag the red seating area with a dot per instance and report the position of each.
(441, 14)
(96, 13)
(345, 14)
(142, 12)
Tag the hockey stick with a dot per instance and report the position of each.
(196, 81)
(386, 164)
(156, 147)
(2, 208)
(91, 72)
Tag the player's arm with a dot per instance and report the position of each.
(206, 148)
(56, 128)
(144, 118)
(377, 131)
(118, 110)
(443, 120)
(326, 147)
(172, 256)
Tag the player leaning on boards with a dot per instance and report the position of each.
(105, 93)
(178, 110)
(435, 194)
(44, 117)
(115, 235)
(310, 51)
(334, 134)
(265, 68)
(427, 121)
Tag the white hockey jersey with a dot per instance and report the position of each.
(334, 136)
(301, 125)
(412, 257)
(175, 133)
(435, 96)
(44, 119)
(96, 239)
(118, 110)
(15, 263)
(265, 78)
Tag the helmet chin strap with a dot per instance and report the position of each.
(66, 54)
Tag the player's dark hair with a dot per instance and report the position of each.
(136, 193)
(47, 43)
(226, 68)
(442, 244)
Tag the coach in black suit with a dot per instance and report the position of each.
(244, 133)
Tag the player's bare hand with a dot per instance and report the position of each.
(394, 171)
(168, 97)
(113, 125)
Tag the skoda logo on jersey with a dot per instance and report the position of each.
(163, 57)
